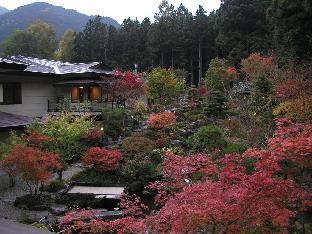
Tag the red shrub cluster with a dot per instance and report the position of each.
(85, 221)
(35, 138)
(292, 142)
(102, 159)
(202, 91)
(93, 135)
(256, 66)
(161, 120)
(128, 225)
(293, 88)
(232, 72)
(132, 205)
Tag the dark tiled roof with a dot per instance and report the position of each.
(56, 67)
(10, 120)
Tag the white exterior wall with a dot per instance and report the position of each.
(36, 91)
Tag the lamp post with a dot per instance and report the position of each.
(102, 131)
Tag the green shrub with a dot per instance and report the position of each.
(249, 165)
(235, 148)
(215, 104)
(55, 186)
(139, 109)
(86, 201)
(193, 116)
(139, 170)
(207, 139)
(9, 143)
(66, 131)
(138, 145)
(117, 122)
(91, 176)
(33, 202)
(162, 85)
(40, 226)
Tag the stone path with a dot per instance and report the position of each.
(11, 227)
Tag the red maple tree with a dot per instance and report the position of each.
(32, 165)
(125, 85)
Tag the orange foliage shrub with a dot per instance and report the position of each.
(161, 120)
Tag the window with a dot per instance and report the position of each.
(95, 94)
(77, 94)
(10, 93)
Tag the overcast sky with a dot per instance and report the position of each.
(117, 9)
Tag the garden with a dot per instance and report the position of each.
(232, 155)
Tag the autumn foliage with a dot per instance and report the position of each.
(32, 165)
(202, 91)
(230, 198)
(126, 85)
(102, 159)
(161, 120)
(292, 142)
(257, 66)
(295, 94)
(94, 135)
(132, 205)
(232, 73)
(36, 139)
(85, 221)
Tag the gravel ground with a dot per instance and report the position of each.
(8, 196)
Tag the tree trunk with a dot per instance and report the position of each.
(11, 181)
(41, 188)
(60, 175)
(162, 59)
(200, 63)
(29, 187)
(192, 71)
(172, 60)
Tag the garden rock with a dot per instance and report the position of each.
(176, 143)
(58, 210)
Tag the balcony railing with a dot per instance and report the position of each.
(59, 105)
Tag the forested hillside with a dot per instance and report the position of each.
(179, 39)
(61, 19)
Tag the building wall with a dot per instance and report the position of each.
(36, 91)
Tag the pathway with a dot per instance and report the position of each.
(11, 227)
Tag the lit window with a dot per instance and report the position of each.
(77, 94)
(95, 94)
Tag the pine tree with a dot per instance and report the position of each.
(215, 104)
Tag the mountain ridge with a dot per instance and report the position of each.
(60, 18)
(3, 10)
